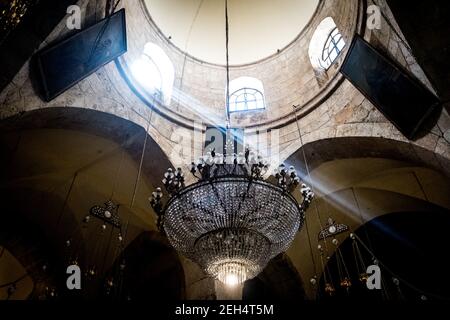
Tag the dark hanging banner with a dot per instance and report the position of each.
(404, 100)
(63, 65)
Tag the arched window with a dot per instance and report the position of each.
(326, 44)
(333, 47)
(155, 72)
(246, 94)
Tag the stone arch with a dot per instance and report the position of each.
(279, 281)
(94, 122)
(28, 243)
(328, 149)
(57, 163)
(153, 269)
(358, 179)
(101, 140)
(418, 236)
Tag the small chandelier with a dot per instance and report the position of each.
(231, 221)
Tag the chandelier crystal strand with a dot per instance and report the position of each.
(231, 222)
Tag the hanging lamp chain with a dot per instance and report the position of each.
(227, 40)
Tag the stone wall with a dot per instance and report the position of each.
(347, 113)
(337, 109)
(326, 110)
(288, 76)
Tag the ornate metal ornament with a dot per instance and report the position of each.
(332, 229)
(108, 213)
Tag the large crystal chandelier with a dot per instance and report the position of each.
(231, 221)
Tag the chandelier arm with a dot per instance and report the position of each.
(252, 170)
(159, 209)
(233, 170)
(196, 176)
(216, 169)
(224, 166)
(244, 196)
(204, 173)
(244, 169)
(250, 182)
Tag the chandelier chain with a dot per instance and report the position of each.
(227, 41)
(144, 146)
(116, 176)
(312, 187)
(308, 173)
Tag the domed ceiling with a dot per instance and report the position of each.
(258, 28)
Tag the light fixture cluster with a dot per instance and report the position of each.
(214, 164)
(231, 221)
